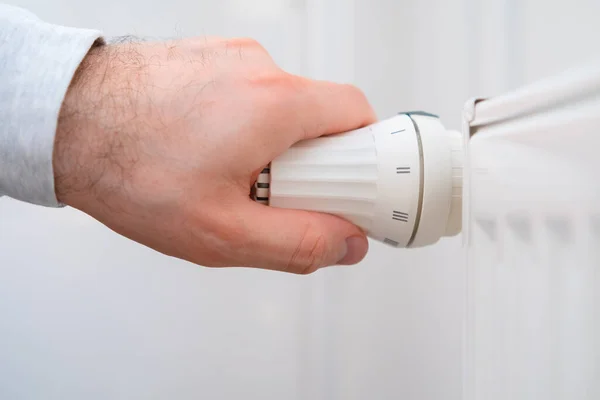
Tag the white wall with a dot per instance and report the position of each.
(87, 314)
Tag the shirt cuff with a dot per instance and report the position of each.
(40, 61)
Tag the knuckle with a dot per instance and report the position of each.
(276, 90)
(354, 91)
(294, 84)
(275, 79)
(246, 42)
(310, 253)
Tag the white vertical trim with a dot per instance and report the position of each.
(514, 37)
(495, 65)
(493, 49)
(330, 33)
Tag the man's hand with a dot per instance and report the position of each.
(162, 142)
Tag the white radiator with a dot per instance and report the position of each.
(532, 231)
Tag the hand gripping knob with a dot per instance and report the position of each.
(400, 179)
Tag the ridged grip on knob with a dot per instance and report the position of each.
(399, 179)
(335, 174)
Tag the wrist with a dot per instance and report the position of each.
(76, 164)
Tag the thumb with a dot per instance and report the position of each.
(298, 241)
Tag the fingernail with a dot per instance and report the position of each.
(357, 247)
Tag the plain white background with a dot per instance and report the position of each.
(85, 313)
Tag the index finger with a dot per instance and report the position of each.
(324, 108)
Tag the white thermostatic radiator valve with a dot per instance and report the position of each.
(400, 179)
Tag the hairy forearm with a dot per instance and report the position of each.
(95, 123)
(72, 147)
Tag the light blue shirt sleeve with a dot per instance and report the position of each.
(37, 63)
